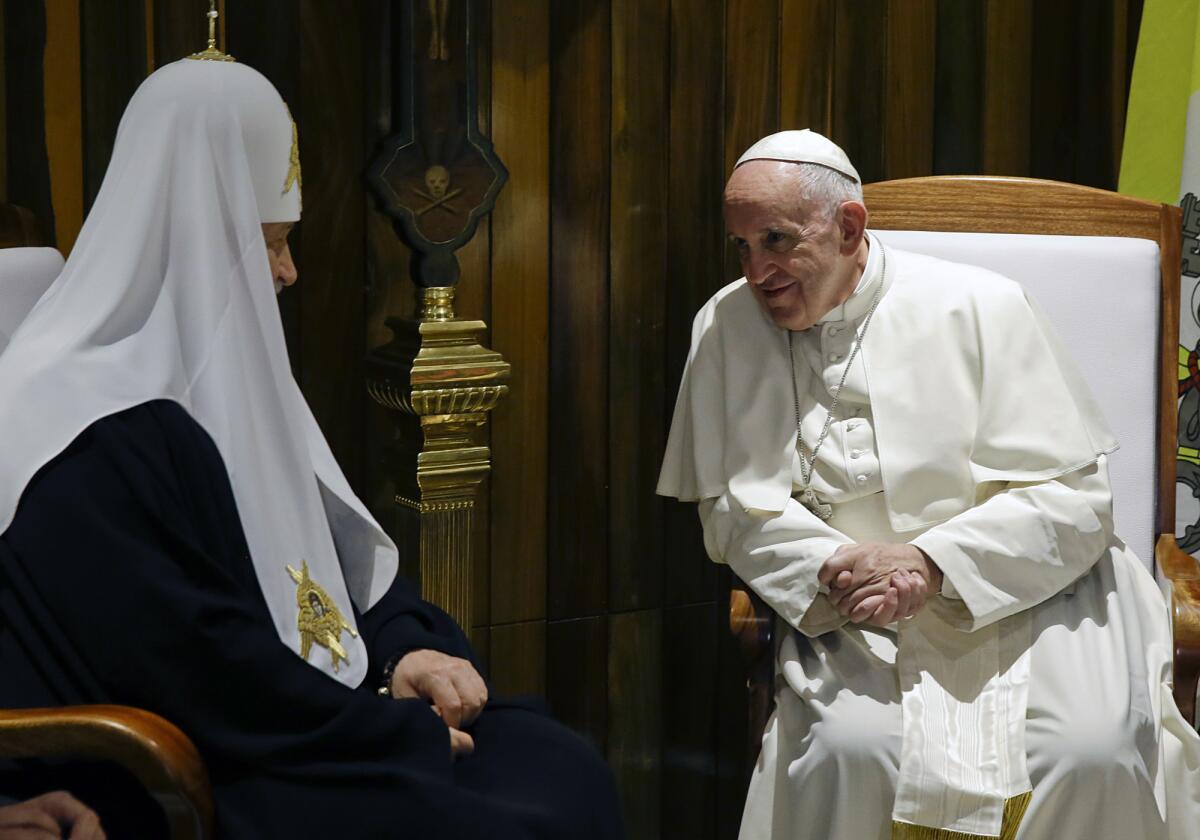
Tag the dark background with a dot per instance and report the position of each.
(618, 121)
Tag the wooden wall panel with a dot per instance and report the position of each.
(331, 290)
(695, 243)
(577, 675)
(64, 119)
(517, 660)
(27, 159)
(806, 41)
(1054, 57)
(635, 714)
(1007, 86)
(113, 64)
(520, 308)
(958, 146)
(751, 74)
(579, 322)
(909, 97)
(859, 85)
(637, 398)
(690, 722)
(181, 28)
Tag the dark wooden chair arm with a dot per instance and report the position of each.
(752, 623)
(1182, 573)
(155, 751)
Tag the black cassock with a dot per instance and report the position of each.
(125, 578)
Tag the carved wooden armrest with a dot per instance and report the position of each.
(154, 750)
(752, 623)
(1182, 572)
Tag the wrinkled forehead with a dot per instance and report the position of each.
(216, 91)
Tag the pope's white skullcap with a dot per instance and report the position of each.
(803, 146)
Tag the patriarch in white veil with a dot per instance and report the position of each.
(168, 294)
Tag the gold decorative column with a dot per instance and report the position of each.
(442, 382)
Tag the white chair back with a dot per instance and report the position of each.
(25, 274)
(1102, 294)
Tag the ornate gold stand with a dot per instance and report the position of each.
(442, 382)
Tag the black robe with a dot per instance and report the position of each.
(125, 578)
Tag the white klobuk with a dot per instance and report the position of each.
(168, 294)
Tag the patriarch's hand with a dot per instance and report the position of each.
(51, 815)
(452, 685)
(878, 583)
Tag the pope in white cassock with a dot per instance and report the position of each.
(894, 453)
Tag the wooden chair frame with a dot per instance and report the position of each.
(984, 204)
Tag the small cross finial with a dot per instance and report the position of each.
(212, 53)
(212, 24)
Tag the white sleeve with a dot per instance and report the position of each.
(1022, 545)
(776, 555)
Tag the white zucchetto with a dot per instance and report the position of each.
(167, 294)
(803, 146)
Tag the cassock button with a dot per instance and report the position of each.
(862, 479)
(835, 357)
(856, 453)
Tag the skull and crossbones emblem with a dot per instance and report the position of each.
(437, 191)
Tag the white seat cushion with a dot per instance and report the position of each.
(1102, 294)
(25, 273)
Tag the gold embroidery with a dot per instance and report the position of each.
(293, 173)
(320, 620)
(1014, 812)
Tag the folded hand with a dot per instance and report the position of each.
(452, 685)
(878, 583)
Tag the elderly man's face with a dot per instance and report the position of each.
(800, 262)
(279, 255)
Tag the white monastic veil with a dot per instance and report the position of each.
(168, 294)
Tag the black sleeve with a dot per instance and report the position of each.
(400, 622)
(131, 541)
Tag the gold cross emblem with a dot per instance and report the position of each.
(320, 620)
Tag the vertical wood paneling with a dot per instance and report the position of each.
(180, 29)
(635, 717)
(858, 84)
(1006, 87)
(64, 119)
(27, 161)
(113, 63)
(637, 302)
(3, 110)
(518, 658)
(908, 101)
(958, 147)
(579, 130)
(520, 307)
(332, 286)
(690, 723)
(806, 40)
(577, 675)
(695, 243)
(751, 74)
(1053, 108)
(1095, 100)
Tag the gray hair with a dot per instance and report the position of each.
(827, 187)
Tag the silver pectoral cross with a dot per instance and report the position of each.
(809, 499)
